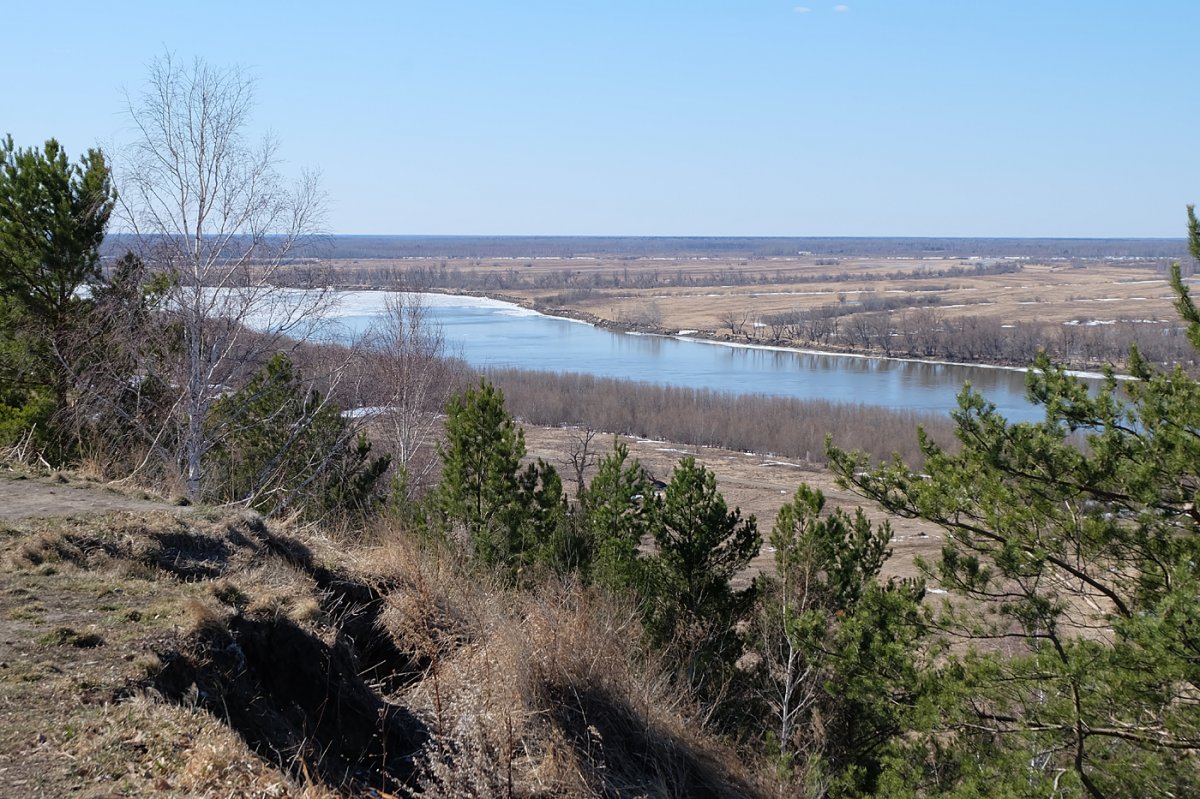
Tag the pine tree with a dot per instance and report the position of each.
(548, 535)
(479, 489)
(53, 215)
(618, 509)
(1075, 542)
(285, 447)
(841, 651)
(691, 607)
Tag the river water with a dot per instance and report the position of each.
(491, 333)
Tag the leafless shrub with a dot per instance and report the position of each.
(581, 456)
(646, 315)
(476, 275)
(756, 423)
(734, 320)
(414, 380)
(24, 454)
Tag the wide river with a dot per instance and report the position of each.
(491, 333)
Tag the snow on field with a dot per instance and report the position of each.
(803, 293)
(365, 411)
(371, 303)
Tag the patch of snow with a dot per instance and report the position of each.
(365, 411)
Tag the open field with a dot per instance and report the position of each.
(704, 289)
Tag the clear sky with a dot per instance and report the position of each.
(656, 117)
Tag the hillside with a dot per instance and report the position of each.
(175, 652)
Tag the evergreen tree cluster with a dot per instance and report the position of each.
(673, 554)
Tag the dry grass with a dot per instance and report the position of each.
(201, 656)
(86, 606)
(542, 694)
(87, 603)
(1051, 291)
(142, 747)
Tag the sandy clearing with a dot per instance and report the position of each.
(26, 497)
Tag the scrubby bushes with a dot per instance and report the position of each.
(750, 423)
(549, 691)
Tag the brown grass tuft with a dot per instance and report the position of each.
(542, 693)
(204, 619)
(145, 748)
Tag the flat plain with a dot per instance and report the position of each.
(696, 293)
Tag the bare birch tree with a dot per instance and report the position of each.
(211, 212)
(416, 378)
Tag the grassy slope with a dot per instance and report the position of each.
(205, 655)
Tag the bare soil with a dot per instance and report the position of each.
(24, 496)
(153, 654)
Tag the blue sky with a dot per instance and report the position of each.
(720, 117)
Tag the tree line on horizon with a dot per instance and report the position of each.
(367, 246)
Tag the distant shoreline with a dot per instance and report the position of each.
(718, 339)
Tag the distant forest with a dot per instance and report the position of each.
(350, 247)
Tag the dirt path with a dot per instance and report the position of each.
(26, 497)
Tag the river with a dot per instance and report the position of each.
(491, 333)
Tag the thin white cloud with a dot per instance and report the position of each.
(841, 7)
(802, 9)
